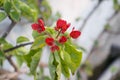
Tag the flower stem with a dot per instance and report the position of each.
(58, 33)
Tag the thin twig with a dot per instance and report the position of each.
(18, 46)
(12, 63)
(9, 29)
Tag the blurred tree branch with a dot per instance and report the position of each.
(90, 14)
(100, 68)
(117, 76)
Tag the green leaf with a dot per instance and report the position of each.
(116, 5)
(2, 16)
(7, 5)
(58, 66)
(65, 62)
(27, 10)
(15, 15)
(46, 78)
(22, 39)
(35, 34)
(1, 3)
(39, 42)
(75, 55)
(2, 57)
(20, 60)
(35, 62)
(28, 57)
(52, 67)
(2, 40)
(1, 54)
(7, 46)
(19, 54)
(65, 57)
(65, 69)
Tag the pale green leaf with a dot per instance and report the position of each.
(35, 62)
(35, 34)
(75, 55)
(52, 66)
(46, 78)
(28, 57)
(15, 15)
(58, 65)
(7, 46)
(22, 39)
(7, 5)
(27, 10)
(65, 57)
(65, 69)
(19, 59)
(65, 62)
(39, 42)
(2, 16)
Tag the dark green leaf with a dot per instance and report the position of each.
(35, 62)
(1, 3)
(1, 54)
(75, 55)
(7, 5)
(15, 15)
(22, 39)
(39, 42)
(2, 57)
(2, 16)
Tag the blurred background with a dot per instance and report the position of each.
(99, 22)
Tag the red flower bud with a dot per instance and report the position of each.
(62, 40)
(75, 34)
(54, 48)
(38, 27)
(49, 41)
(35, 26)
(40, 22)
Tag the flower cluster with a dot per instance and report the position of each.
(61, 27)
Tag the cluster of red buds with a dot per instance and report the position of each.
(61, 27)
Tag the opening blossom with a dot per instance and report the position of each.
(62, 25)
(39, 27)
(61, 28)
